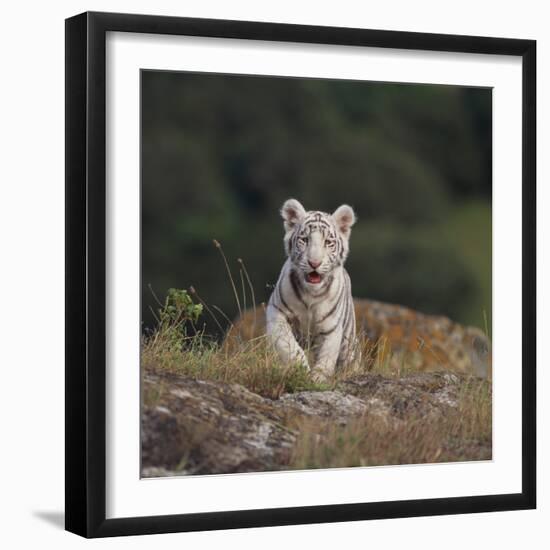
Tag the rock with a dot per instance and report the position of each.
(424, 394)
(206, 427)
(333, 405)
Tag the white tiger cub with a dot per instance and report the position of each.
(311, 302)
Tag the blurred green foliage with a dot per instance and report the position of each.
(220, 154)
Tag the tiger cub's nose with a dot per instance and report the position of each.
(313, 264)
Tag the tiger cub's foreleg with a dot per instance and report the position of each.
(282, 338)
(326, 350)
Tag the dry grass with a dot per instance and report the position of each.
(252, 364)
(177, 346)
(463, 434)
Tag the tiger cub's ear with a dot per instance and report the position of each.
(293, 213)
(344, 217)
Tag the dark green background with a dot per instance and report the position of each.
(221, 153)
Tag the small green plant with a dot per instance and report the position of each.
(179, 307)
(174, 316)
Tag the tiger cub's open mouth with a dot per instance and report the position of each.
(313, 278)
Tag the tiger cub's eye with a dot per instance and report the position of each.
(328, 242)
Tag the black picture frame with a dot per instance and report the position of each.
(86, 268)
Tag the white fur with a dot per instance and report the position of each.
(320, 313)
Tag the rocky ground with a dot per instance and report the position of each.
(193, 426)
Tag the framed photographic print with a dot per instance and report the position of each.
(300, 274)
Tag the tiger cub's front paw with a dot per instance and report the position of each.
(319, 377)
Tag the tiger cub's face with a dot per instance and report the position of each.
(316, 242)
